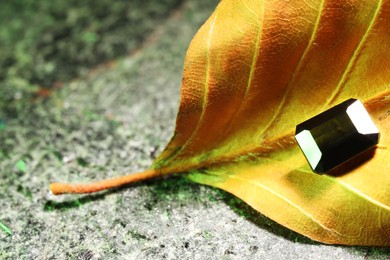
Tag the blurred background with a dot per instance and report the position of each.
(46, 43)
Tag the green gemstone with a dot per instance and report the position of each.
(336, 135)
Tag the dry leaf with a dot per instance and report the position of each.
(253, 72)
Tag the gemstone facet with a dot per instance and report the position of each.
(336, 135)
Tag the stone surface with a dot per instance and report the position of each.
(112, 122)
(337, 135)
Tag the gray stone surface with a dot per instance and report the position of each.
(115, 121)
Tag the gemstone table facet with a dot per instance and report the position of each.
(336, 135)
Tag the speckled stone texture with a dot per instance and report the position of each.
(114, 121)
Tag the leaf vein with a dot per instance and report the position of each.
(251, 72)
(256, 54)
(297, 69)
(300, 209)
(253, 64)
(285, 139)
(359, 193)
(250, 9)
(355, 55)
(206, 91)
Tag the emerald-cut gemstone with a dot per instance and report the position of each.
(336, 135)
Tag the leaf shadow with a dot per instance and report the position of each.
(171, 189)
(244, 210)
(52, 205)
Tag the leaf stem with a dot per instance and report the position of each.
(68, 188)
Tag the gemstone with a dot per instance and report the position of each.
(336, 135)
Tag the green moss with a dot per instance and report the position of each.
(5, 229)
(82, 162)
(2, 125)
(207, 235)
(135, 234)
(21, 166)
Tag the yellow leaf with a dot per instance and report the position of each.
(253, 72)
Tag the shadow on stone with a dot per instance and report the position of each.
(71, 204)
(180, 190)
(263, 222)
